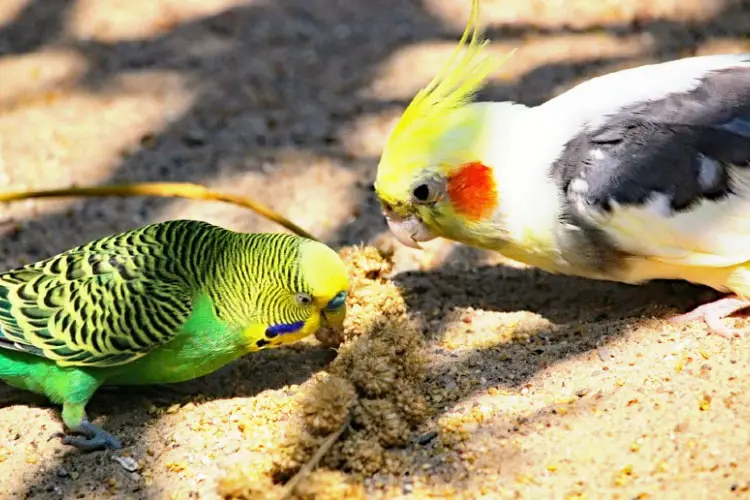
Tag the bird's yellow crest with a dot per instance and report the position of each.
(427, 114)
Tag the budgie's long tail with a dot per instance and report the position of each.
(161, 189)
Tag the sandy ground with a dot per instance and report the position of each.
(511, 383)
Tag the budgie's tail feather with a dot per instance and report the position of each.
(161, 189)
(13, 346)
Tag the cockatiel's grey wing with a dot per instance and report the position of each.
(666, 176)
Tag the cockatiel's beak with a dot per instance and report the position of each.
(408, 230)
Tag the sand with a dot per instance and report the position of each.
(493, 381)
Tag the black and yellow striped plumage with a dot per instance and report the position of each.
(163, 303)
(113, 300)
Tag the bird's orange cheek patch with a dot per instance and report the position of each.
(472, 191)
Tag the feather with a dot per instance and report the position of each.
(667, 178)
(427, 115)
(102, 304)
(117, 299)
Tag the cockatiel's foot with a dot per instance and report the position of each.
(92, 438)
(713, 313)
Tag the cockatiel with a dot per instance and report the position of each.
(163, 303)
(637, 175)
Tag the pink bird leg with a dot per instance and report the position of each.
(714, 312)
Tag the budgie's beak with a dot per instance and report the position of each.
(409, 230)
(335, 319)
(335, 312)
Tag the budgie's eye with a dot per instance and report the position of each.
(303, 299)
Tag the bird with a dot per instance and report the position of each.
(163, 303)
(635, 175)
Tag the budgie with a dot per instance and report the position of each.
(632, 176)
(163, 303)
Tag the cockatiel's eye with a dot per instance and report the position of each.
(428, 191)
(422, 192)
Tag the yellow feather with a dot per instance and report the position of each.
(427, 115)
(643, 269)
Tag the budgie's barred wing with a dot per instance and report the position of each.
(668, 177)
(102, 304)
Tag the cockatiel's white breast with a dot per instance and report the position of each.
(652, 166)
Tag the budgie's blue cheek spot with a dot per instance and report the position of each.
(281, 329)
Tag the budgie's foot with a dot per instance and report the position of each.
(714, 312)
(93, 438)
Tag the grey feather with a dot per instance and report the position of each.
(663, 146)
(685, 145)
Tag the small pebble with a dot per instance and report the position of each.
(194, 138)
(427, 437)
(605, 354)
(407, 487)
(128, 463)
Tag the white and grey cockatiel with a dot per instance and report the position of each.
(637, 175)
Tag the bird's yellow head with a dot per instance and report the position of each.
(432, 179)
(284, 289)
(327, 280)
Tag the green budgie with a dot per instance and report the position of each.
(163, 303)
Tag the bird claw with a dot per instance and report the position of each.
(92, 438)
(713, 313)
(56, 435)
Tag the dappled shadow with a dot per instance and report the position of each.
(569, 317)
(556, 297)
(38, 23)
(269, 78)
(500, 427)
(283, 76)
(128, 412)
